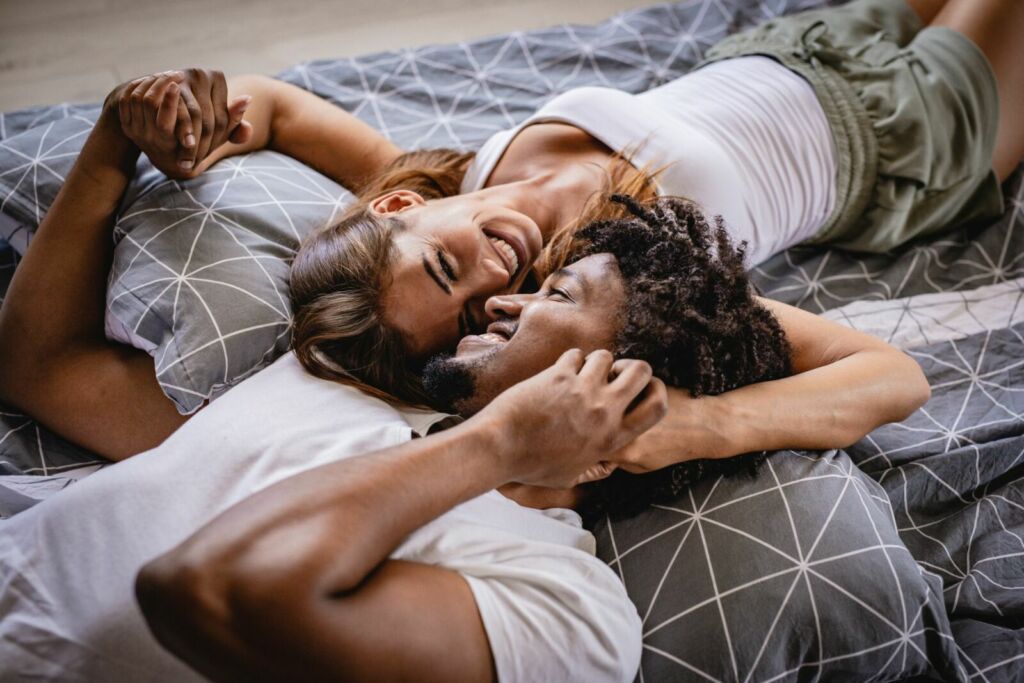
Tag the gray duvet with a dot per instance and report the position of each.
(951, 477)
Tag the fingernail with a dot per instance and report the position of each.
(185, 165)
(172, 88)
(190, 140)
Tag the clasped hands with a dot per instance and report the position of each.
(178, 117)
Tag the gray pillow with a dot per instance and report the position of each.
(200, 272)
(796, 572)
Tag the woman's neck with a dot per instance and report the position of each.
(548, 172)
(551, 197)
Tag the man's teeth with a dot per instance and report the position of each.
(491, 337)
(508, 251)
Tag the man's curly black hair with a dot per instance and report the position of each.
(691, 313)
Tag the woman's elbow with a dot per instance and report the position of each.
(913, 387)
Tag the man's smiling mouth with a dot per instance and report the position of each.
(498, 332)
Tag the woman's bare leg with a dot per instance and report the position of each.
(997, 27)
(927, 10)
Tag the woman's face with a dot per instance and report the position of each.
(455, 253)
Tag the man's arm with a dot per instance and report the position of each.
(56, 363)
(298, 575)
(844, 385)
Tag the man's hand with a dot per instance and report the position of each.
(178, 117)
(206, 120)
(571, 418)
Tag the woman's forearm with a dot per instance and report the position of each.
(845, 384)
(297, 123)
(828, 407)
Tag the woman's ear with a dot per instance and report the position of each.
(396, 201)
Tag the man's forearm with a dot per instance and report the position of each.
(342, 519)
(58, 291)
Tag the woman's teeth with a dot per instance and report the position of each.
(508, 251)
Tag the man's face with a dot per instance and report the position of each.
(579, 307)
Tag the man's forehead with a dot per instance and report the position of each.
(591, 269)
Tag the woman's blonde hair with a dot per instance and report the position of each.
(341, 273)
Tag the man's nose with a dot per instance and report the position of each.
(505, 305)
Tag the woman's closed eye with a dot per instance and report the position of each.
(446, 266)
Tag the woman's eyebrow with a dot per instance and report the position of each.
(427, 266)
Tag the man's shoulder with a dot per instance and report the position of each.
(284, 391)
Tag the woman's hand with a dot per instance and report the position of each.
(690, 431)
(178, 117)
(569, 420)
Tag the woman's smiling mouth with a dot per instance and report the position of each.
(510, 250)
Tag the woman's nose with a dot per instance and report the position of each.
(505, 306)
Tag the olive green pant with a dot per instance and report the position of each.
(913, 112)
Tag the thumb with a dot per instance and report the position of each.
(601, 470)
(236, 110)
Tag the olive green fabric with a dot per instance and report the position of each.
(913, 112)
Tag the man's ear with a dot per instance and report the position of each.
(396, 201)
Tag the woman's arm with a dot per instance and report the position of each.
(296, 577)
(56, 363)
(280, 117)
(845, 384)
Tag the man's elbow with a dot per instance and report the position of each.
(176, 599)
(192, 602)
(20, 375)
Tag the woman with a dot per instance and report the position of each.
(414, 261)
(846, 126)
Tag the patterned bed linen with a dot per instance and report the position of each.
(954, 471)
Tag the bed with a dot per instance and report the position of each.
(949, 480)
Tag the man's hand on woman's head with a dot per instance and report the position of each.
(563, 426)
(178, 117)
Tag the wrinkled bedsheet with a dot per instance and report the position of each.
(954, 471)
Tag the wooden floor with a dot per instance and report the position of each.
(77, 50)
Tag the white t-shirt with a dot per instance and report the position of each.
(552, 611)
(745, 138)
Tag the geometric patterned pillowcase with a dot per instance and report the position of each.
(794, 572)
(200, 271)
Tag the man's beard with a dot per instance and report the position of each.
(448, 383)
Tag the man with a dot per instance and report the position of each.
(406, 563)
(320, 572)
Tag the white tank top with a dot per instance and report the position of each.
(746, 138)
